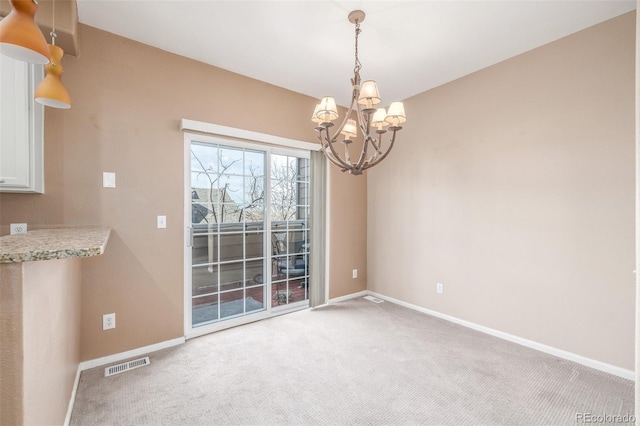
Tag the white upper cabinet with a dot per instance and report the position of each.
(21, 127)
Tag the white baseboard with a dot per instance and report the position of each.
(86, 365)
(72, 399)
(348, 296)
(598, 365)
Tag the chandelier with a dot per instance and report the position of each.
(373, 122)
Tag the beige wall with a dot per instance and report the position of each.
(514, 187)
(40, 335)
(128, 99)
(11, 361)
(347, 233)
(51, 324)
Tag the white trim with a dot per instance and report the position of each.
(247, 319)
(268, 233)
(233, 132)
(226, 323)
(223, 324)
(187, 234)
(109, 359)
(234, 143)
(288, 308)
(291, 152)
(592, 363)
(348, 296)
(72, 399)
(327, 231)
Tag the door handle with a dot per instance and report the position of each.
(189, 236)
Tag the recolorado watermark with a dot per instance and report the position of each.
(587, 418)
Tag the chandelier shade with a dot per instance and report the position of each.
(349, 130)
(362, 114)
(51, 92)
(379, 119)
(327, 110)
(396, 115)
(20, 37)
(369, 95)
(314, 116)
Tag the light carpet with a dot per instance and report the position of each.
(351, 363)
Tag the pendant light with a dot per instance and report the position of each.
(51, 92)
(20, 37)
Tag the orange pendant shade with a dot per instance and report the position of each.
(20, 37)
(51, 92)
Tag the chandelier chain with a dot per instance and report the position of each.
(358, 65)
(53, 24)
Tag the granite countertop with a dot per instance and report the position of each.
(59, 243)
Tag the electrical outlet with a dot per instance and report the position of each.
(355, 273)
(108, 321)
(440, 288)
(18, 228)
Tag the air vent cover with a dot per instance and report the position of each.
(374, 299)
(126, 366)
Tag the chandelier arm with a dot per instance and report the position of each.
(363, 154)
(347, 156)
(363, 120)
(365, 135)
(383, 156)
(377, 146)
(355, 82)
(331, 158)
(323, 140)
(377, 141)
(336, 161)
(336, 158)
(365, 139)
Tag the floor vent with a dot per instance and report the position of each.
(374, 299)
(126, 366)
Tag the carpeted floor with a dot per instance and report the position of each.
(354, 362)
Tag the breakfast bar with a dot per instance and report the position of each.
(40, 298)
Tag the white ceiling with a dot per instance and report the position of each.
(307, 46)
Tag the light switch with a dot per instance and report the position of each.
(108, 180)
(162, 221)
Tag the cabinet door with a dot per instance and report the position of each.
(21, 136)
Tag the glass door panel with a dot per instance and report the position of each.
(228, 224)
(290, 229)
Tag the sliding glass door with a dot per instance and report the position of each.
(248, 249)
